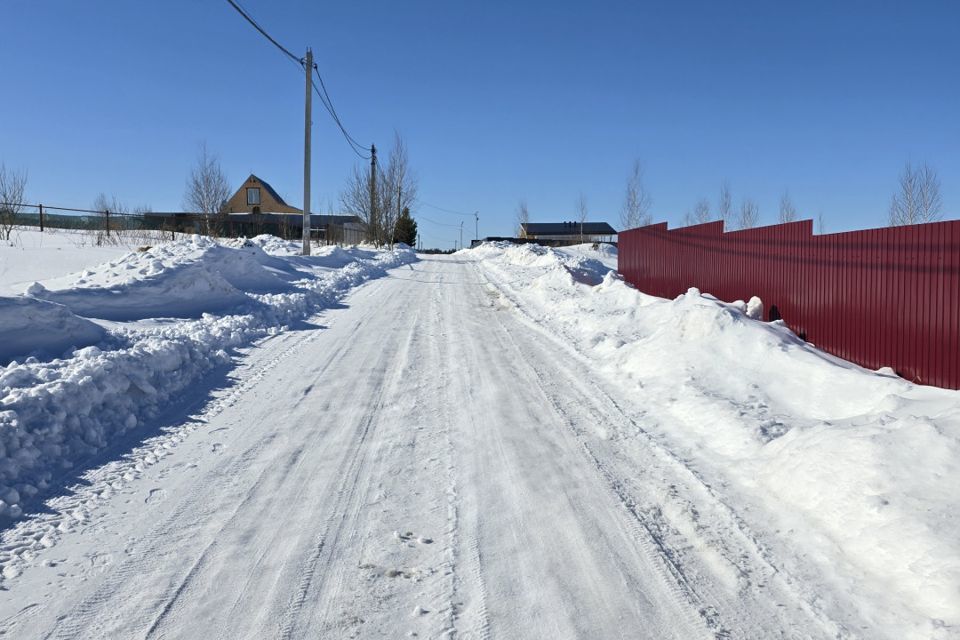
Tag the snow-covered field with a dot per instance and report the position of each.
(230, 440)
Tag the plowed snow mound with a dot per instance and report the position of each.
(180, 279)
(31, 327)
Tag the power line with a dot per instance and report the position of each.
(322, 92)
(328, 105)
(442, 224)
(450, 211)
(266, 35)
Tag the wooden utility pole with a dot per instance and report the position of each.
(307, 116)
(399, 211)
(373, 194)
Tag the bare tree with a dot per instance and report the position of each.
(821, 223)
(788, 213)
(635, 211)
(113, 211)
(355, 200)
(701, 211)
(207, 190)
(725, 206)
(749, 214)
(396, 185)
(13, 184)
(582, 213)
(398, 189)
(523, 218)
(918, 199)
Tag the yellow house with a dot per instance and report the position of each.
(257, 196)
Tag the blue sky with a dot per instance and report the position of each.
(497, 101)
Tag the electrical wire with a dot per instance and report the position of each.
(450, 211)
(328, 105)
(263, 32)
(442, 224)
(322, 93)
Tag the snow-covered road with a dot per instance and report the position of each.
(430, 462)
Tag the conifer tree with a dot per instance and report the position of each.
(406, 228)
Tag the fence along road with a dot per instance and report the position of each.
(885, 297)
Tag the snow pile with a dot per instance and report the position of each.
(31, 327)
(858, 470)
(179, 279)
(53, 413)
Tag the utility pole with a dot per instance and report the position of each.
(399, 210)
(476, 227)
(373, 193)
(461, 234)
(307, 114)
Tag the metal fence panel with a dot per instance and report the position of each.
(879, 297)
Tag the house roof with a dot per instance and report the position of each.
(266, 185)
(568, 229)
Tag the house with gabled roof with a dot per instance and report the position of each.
(257, 196)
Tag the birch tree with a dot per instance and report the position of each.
(725, 205)
(207, 190)
(13, 184)
(788, 213)
(523, 217)
(582, 213)
(749, 214)
(635, 211)
(701, 211)
(918, 199)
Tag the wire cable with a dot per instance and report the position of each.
(361, 151)
(450, 211)
(442, 224)
(328, 103)
(263, 32)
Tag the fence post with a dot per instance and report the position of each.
(40, 206)
(108, 221)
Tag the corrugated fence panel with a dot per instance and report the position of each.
(881, 297)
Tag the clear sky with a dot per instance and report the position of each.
(496, 100)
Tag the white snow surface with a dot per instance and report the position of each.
(55, 412)
(858, 470)
(30, 255)
(506, 442)
(39, 328)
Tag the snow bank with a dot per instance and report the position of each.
(858, 470)
(179, 279)
(31, 327)
(53, 413)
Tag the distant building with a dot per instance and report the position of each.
(257, 196)
(256, 207)
(568, 232)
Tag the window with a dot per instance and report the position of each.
(253, 195)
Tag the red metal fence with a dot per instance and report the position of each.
(880, 297)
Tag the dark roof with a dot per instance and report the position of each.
(568, 229)
(271, 190)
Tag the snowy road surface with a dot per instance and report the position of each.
(428, 463)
